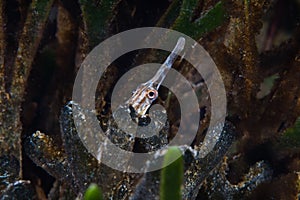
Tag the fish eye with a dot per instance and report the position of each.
(152, 94)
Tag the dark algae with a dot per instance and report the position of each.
(256, 47)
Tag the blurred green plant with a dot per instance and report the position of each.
(292, 135)
(185, 23)
(206, 23)
(172, 175)
(93, 192)
(97, 17)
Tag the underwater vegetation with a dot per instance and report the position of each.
(256, 46)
